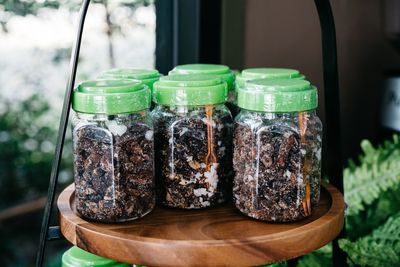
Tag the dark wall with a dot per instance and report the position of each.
(285, 33)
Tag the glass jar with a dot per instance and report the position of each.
(193, 133)
(76, 257)
(113, 143)
(221, 71)
(277, 150)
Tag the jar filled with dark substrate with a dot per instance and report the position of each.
(277, 150)
(193, 133)
(113, 150)
(222, 71)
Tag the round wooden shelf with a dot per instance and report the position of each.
(219, 236)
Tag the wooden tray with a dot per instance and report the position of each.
(219, 236)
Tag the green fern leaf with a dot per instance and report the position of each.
(375, 214)
(378, 171)
(320, 257)
(381, 248)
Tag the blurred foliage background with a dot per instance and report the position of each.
(35, 44)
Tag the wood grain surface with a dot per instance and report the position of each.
(219, 236)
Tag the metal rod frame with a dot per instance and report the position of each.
(332, 125)
(44, 235)
(333, 137)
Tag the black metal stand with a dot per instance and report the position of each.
(332, 131)
(44, 235)
(332, 125)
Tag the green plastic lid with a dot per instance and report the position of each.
(111, 97)
(190, 90)
(147, 76)
(278, 95)
(215, 69)
(267, 73)
(76, 257)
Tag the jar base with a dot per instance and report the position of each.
(114, 221)
(254, 216)
(193, 208)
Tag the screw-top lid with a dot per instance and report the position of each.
(267, 73)
(76, 257)
(111, 97)
(147, 76)
(215, 69)
(190, 90)
(278, 95)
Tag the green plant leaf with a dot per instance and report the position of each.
(378, 171)
(374, 215)
(381, 248)
(320, 257)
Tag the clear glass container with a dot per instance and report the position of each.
(195, 157)
(193, 141)
(277, 159)
(113, 160)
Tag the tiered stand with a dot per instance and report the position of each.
(217, 236)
